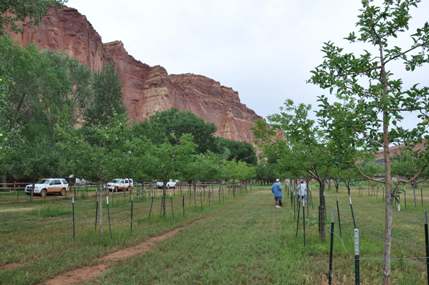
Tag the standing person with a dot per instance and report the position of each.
(302, 191)
(277, 192)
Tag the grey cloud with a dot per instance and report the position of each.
(263, 49)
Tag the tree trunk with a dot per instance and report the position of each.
(322, 209)
(348, 187)
(337, 185)
(388, 219)
(414, 186)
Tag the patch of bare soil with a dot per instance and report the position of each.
(87, 273)
(15, 210)
(9, 266)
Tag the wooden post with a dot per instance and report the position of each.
(183, 205)
(172, 206)
(151, 206)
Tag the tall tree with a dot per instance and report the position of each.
(234, 150)
(365, 83)
(107, 98)
(170, 125)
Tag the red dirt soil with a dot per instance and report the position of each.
(87, 273)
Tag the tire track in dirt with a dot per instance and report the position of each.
(90, 272)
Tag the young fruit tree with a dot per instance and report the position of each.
(378, 99)
(306, 153)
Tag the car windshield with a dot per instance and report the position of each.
(116, 180)
(42, 181)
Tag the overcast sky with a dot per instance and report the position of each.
(263, 49)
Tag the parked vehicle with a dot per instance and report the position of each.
(120, 184)
(159, 184)
(47, 186)
(171, 184)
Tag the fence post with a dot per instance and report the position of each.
(353, 213)
(297, 220)
(357, 256)
(218, 193)
(223, 193)
(405, 198)
(331, 250)
(209, 196)
(421, 195)
(151, 205)
(303, 219)
(108, 216)
(414, 196)
(96, 210)
(233, 190)
(32, 192)
(183, 205)
(100, 210)
(195, 194)
(131, 214)
(201, 199)
(172, 206)
(16, 190)
(339, 217)
(164, 201)
(73, 219)
(427, 246)
(294, 206)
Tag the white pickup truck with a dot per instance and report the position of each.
(120, 184)
(47, 186)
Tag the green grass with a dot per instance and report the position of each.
(243, 241)
(37, 234)
(251, 242)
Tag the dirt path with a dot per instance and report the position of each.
(15, 210)
(87, 273)
(10, 266)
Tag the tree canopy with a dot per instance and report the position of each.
(367, 89)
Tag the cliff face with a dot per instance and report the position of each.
(146, 89)
(68, 31)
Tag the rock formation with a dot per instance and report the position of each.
(145, 89)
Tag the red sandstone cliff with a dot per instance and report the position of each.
(146, 89)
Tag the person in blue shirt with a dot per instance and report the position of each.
(277, 193)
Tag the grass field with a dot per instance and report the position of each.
(36, 237)
(242, 241)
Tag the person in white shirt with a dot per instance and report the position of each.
(302, 191)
